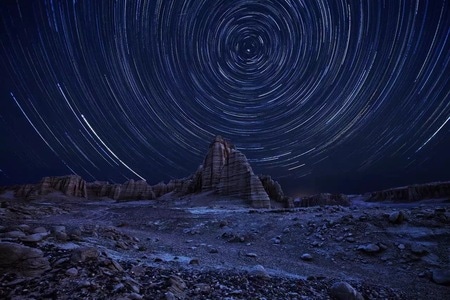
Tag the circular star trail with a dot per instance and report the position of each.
(330, 95)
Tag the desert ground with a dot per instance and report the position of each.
(208, 247)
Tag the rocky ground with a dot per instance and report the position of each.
(203, 247)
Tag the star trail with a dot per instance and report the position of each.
(341, 95)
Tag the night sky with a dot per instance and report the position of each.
(338, 96)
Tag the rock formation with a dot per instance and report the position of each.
(71, 185)
(215, 160)
(99, 189)
(136, 190)
(227, 171)
(23, 260)
(414, 192)
(273, 189)
(324, 199)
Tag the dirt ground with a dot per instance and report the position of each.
(214, 245)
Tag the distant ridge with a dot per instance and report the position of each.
(413, 192)
(225, 170)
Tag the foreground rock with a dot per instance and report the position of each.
(344, 291)
(22, 260)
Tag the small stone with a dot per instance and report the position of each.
(170, 296)
(56, 229)
(194, 261)
(33, 238)
(84, 253)
(72, 272)
(135, 296)
(441, 277)
(15, 234)
(306, 257)
(276, 240)
(259, 271)
(138, 270)
(61, 236)
(396, 217)
(250, 254)
(418, 249)
(369, 248)
(116, 265)
(24, 227)
(401, 246)
(344, 291)
(40, 230)
(213, 250)
(350, 239)
(118, 287)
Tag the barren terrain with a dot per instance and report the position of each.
(207, 247)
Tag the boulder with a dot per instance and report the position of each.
(441, 277)
(22, 260)
(344, 291)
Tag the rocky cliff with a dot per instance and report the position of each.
(225, 170)
(71, 185)
(414, 192)
(323, 199)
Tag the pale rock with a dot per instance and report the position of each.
(369, 248)
(344, 291)
(259, 271)
(72, 272)
(306, 257)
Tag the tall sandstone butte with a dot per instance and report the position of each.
(228, 171)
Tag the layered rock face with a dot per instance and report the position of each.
(71, 185)
(324, 199)
(98, 189)
(215, 160)
(224, 170)
(227, 171)
(238, 180)
(273, 189)
(414, 192)
(136, 190)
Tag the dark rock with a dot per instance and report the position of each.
(83, 254)
(22, 260)
(369, 248)
(344, 291)
(323, 199)
(441, 277)
(419, 249)
(259, 271)
(396, 217)
(306, 257)
(414, 192)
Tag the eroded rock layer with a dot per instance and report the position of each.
(414, 192)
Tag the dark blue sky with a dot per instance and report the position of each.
(340, 96)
